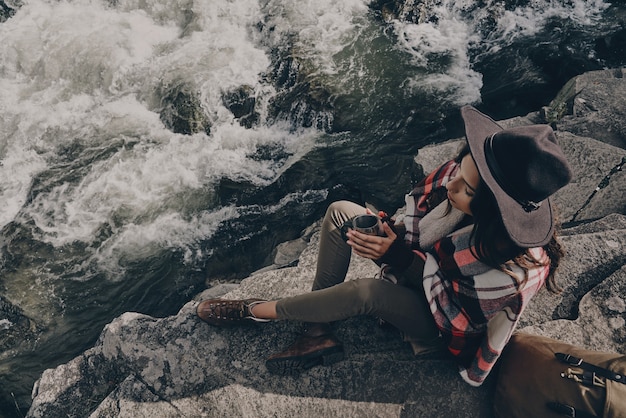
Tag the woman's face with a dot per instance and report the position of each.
(462, 187)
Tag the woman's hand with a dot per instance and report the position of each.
(371, 246)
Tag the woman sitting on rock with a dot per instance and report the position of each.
(478, 242)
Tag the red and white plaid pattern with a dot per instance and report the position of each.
(475, 306)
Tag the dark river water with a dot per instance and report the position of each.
(150, 147)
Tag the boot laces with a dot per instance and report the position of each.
(230, 310)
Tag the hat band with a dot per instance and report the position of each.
(492, 162)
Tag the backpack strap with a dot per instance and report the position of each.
(600, 371)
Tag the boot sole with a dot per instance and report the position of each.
(290, 366)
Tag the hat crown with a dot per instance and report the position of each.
(522, 167)
(527, 163)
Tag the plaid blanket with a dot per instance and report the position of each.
(475, 306)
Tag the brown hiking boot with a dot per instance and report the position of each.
(309, 350)
(228, 312)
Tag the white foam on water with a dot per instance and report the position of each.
(529, 20)
(135, 242)
(449, 40)
(214, 54)
(139, 190)
(320, 35)
(83, 75)
(55, 59)
(76, 47)
(19, 161)
(320, 28)
(457, 29)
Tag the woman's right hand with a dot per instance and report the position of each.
(371, 246)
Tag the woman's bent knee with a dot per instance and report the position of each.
(341, 210)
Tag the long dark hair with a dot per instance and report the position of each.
(493, 246)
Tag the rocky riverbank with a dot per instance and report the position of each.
(180, 366)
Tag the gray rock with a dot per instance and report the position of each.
(181, 110)
(588, 106)
(180, 366)
(241, 102)
(593, 254)
(602, 319)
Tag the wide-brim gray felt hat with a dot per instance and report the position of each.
(522, 167)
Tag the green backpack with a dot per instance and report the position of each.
(542, 377)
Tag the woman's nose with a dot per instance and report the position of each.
(450, 184)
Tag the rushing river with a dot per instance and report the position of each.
(148, 147)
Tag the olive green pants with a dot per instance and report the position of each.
(333, 299)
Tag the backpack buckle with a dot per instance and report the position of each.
(569, 359)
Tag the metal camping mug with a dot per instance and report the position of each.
(367, 224)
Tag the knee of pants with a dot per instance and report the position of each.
(340, 211)
(336, 207)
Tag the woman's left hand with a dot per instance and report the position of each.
(371, 246)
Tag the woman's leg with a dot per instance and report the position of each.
(332, 299)
(316, 343)
(332, 265)
(405, 308)
(334, 254)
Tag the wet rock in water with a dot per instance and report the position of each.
(8, 10)
(15, 327)
(182, 112)
(523, 76)
(241, 102)
(299, 99)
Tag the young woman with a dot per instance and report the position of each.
(479, 243)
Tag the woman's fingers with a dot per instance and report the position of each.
(369, 246)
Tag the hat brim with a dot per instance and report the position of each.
(526, 229)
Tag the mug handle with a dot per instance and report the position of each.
(347, 225)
